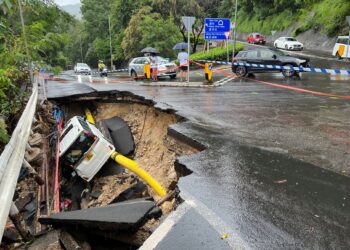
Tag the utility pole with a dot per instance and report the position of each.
(234, 32)
(188, 48)
(81, 49)
(25, 41)
(110, 40)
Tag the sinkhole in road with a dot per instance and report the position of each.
(156, 151)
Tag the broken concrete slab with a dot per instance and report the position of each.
(123, 216)
(47, 241)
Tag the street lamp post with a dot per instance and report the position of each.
(234, 32)
(110, 40)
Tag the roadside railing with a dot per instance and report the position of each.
(12, 158)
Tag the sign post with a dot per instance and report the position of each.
(227, 35)
(188, 21)
(347, 48)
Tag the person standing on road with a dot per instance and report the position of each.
(184, 61)
(154, 66)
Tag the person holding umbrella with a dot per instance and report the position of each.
(154, 66)
(184, 61)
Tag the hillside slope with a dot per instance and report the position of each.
(322, 16)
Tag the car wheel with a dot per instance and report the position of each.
(288, 72)
(241, 71)
(173, 76)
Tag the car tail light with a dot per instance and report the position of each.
(234, 60)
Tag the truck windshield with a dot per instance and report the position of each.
(81, 145)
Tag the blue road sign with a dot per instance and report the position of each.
(215, 28)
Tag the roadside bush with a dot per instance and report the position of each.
(218, 54)
(56, 70)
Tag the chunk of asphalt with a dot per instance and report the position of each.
(123, 216)
(121, 135)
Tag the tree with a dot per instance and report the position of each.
(150, 29)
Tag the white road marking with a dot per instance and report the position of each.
(212, 218)
(79, 78)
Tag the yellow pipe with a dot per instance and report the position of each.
(89, 116)
(133, 167)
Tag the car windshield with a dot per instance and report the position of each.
(290, 39)
(343, 41)
(279, 53)
(82, 65)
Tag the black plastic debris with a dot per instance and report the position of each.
(125, 216)
(121, 135)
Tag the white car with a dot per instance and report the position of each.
(288, 43)
(165, 68)
(82, 68)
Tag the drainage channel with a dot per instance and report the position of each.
(156, 150)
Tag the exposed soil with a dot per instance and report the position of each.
(156, 151)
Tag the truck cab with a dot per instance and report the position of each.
(84, 148)
(341, 48)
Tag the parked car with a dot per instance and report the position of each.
(267, 57)
(341, 47)
(82, 68)
(165, 68)
(256, 38)
(288, 43)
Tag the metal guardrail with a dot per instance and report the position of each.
(12, 158)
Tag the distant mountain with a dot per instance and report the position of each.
(73, 9)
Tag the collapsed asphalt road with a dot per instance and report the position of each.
(276, 164)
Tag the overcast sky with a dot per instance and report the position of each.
(66, 2)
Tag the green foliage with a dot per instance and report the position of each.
(56, 70)
(267, 15)
(331, 15)
(219, 53)
(4, 137)
(150, 29)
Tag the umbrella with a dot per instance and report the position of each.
(149, 50)
(180, 46)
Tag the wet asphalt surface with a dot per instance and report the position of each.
(276, 165)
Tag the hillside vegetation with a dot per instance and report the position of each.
(326, 16)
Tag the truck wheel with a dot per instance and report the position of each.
(338, 56)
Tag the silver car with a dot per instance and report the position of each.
(165, 68)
